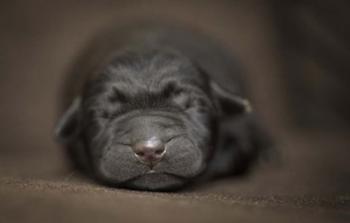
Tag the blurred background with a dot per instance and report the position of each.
(296, 55)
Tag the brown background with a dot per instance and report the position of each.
(311, 182)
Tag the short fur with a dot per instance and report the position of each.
(151, 80)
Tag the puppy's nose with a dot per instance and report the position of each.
(149, 151)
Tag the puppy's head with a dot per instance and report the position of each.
(148, 120)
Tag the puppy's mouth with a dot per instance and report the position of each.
(146, 173)
(151, 180)
(154, 180)
(161, 177)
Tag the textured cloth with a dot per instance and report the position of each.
(310, 182)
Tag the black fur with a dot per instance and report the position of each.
(155, 81)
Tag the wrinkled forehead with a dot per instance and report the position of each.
(151, 71)
(132, 82)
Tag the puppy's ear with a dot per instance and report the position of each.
(229, 103)
(68, 125)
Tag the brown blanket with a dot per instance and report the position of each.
(309, 183)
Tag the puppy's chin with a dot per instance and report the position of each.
(151, 180)
(156, 182)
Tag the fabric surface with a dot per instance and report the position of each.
(309, 182)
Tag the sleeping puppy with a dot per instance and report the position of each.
(143, 110)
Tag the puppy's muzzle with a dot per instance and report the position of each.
(149, 151)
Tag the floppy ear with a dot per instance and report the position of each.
(68, 125)
(229, 103)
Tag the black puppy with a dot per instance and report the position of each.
(145, 112)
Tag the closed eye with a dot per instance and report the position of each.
(198, 105)
(171, 89)
(117, 96)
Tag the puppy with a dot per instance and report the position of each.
(146, 113)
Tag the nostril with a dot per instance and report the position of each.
(140, 153)
(159, 151)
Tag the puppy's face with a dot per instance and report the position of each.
(148, 122)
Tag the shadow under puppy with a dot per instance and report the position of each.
(142, 110)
